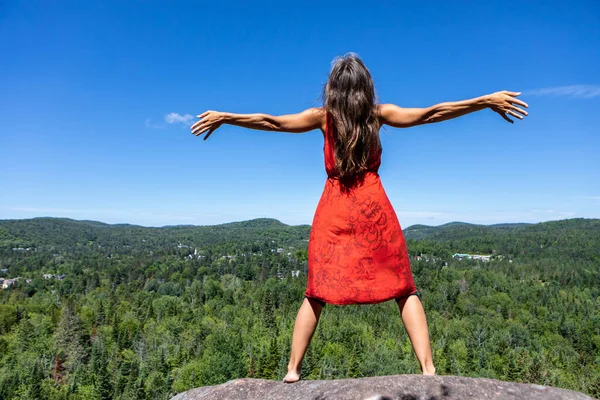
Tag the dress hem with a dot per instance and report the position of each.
(416, 292)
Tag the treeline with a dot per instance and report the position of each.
(144, 313)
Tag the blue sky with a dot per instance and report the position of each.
(95, 97)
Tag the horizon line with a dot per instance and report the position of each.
(275, 219)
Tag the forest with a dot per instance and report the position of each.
(128, 312)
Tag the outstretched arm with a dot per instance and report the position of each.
(305, 121)
(503, 103)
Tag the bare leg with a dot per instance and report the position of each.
(306, 323)
(413, 317)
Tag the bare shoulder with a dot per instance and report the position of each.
(384, 111)
(318, 112)
(304, 121)
(400, 117)
(319, 116)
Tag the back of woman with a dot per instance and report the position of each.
(349, 102)
(356, 250)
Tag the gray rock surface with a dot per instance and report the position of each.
(396, 387)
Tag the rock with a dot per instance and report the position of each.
(393, 387)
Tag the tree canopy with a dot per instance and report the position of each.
(127, 312)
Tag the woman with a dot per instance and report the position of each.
(356, 251)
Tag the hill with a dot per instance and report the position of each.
(66, 232)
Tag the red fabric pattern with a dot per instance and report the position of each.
(356, 251)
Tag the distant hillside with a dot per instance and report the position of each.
(455, 230)
(575, 239)
(461, 230)
(64, 232)
(569, 239)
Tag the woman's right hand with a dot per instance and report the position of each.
(504, 103)
(209, 122)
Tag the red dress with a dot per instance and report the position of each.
(356, 250)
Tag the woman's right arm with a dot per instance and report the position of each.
(503, 103)
(304, 121)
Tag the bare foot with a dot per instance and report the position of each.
(429, 370)
(292, 376)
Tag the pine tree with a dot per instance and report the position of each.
(103, 385)
(310, 363)
(269, 367)
(282, 367)
(100, 316)
(70, 338)
(516, 365)
(134, 390)
(269, 310)
(30, 387)
(95, 361)
(252, 368)
(354, 364)
(25, 334)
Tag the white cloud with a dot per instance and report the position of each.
(175, 118)
(579, 91)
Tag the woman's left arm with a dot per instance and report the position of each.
(305, 121)
(503, 103)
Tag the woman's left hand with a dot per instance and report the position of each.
(506, 102)
(209, 122)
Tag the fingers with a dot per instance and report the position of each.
(200, 132)
(201, 116)
(204, 125)
(513, 100)
(519, 102)
(514, 114)
(209, 128)
(209, 122)
(520, 110)
(201, 126)
(198, 127)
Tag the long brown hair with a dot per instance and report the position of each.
(349, 96)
